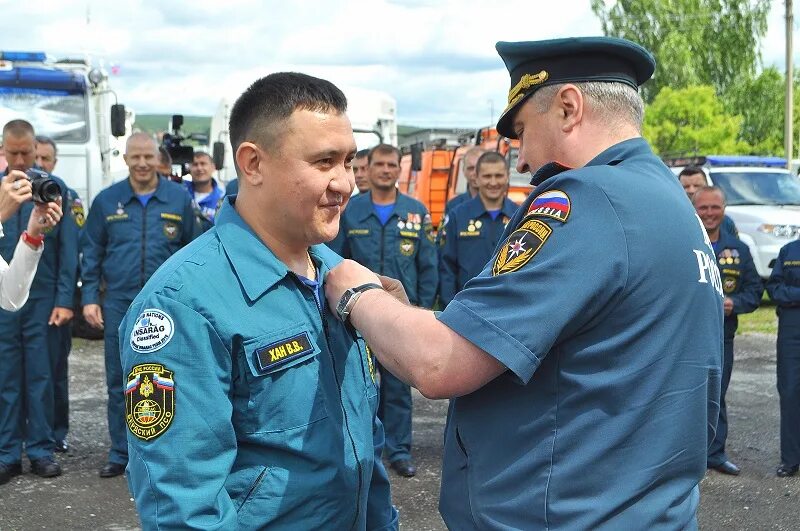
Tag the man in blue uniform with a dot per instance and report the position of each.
(132, 228)
(270, 422)
(470, 162)
(203, 188)
(783, 287)
(585, 398)
(475, 226)
(693, 178)
(59, 336)
(390, 233)
(742, 288)
(26, 399)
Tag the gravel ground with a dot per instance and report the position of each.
(756, 500)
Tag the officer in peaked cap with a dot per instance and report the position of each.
(582, 396)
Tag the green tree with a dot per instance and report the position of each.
(695, 42)
(691, 121)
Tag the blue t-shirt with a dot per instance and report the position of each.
(316, 287)
(384, 212)
(493, 213)
(144, 198)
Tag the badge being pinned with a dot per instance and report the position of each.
(149, 400)
(153, 330)
(551, 204)
(521, 246)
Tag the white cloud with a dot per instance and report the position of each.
(436, 58)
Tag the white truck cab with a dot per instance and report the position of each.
(763, 199)
(71, 102)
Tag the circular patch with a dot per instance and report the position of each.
(729, 284)
(406, 247)
(153, 330)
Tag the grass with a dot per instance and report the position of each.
(763, 320)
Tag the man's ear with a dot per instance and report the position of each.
(571, 105)
(248, 160)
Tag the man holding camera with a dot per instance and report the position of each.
(26, 400)
(132, 228)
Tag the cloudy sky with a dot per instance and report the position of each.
(436, 58)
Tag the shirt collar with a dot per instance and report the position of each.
(476, 208)
(160, 192)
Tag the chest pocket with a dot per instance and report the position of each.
(121, 227)
(283, 376)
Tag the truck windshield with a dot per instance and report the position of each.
(516, 178)
(59, 114)
(758, 188)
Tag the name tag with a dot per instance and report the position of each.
(283, 351)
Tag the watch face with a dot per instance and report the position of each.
(343, 302)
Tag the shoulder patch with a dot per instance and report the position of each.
(551, 204)
(149, 400)
(283, 351)
(521, 246)
(78, 214)
(153, 330)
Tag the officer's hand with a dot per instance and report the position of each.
(15, 189)
(43, 217)
(60, 316)
(728, 306)
(395, 288)
(93, 315)
(344, 276)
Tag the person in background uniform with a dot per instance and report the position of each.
(271, 422)
(16, 276)
(584, 397)
(203, 188)
(132, 228)
(26, 399)
(59, 337)
(475, 227)
(742, 288)
(391, 234)
(783, 287)
(360, 169)
(693, 178)
(470, 161)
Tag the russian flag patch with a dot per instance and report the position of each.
(551, 204)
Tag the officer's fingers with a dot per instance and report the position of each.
(394, 288)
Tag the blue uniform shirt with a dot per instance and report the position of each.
(605, 304)
(472, 236)
(267, 417)
(458, 200)
(232, 188)
(124, 242)
(740, 280)
(783, 285)
(403, 248)
(57, 273)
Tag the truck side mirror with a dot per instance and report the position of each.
(118, 120)
(219, 155)
(416, 156)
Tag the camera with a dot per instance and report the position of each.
(180, 154)
(43, 188)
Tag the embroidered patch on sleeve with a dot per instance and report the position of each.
(149, 400)
(78, 213)
(283, 351)
(551, 204)
(152, 331)
(521, 246)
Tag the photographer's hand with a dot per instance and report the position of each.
(15, 189)
(43, 216)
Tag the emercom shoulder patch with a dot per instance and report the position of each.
(149, 400)
(521, 246)
(551, 204)
(283, 351)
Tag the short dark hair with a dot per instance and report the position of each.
(489, 157)
(691, 170)
(202, 154)
(258, 112)
(42, 139)
(384, 149)
(18, 128)
(361, 153)
(163, 155)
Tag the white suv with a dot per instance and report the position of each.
(763, 199)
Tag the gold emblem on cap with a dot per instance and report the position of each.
(526, 82)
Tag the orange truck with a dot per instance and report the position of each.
(434, 175)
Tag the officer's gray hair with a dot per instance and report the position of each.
(707, 189)
(612, 102)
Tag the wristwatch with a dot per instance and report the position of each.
(349, 298)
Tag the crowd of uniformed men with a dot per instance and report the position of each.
(136, 224)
